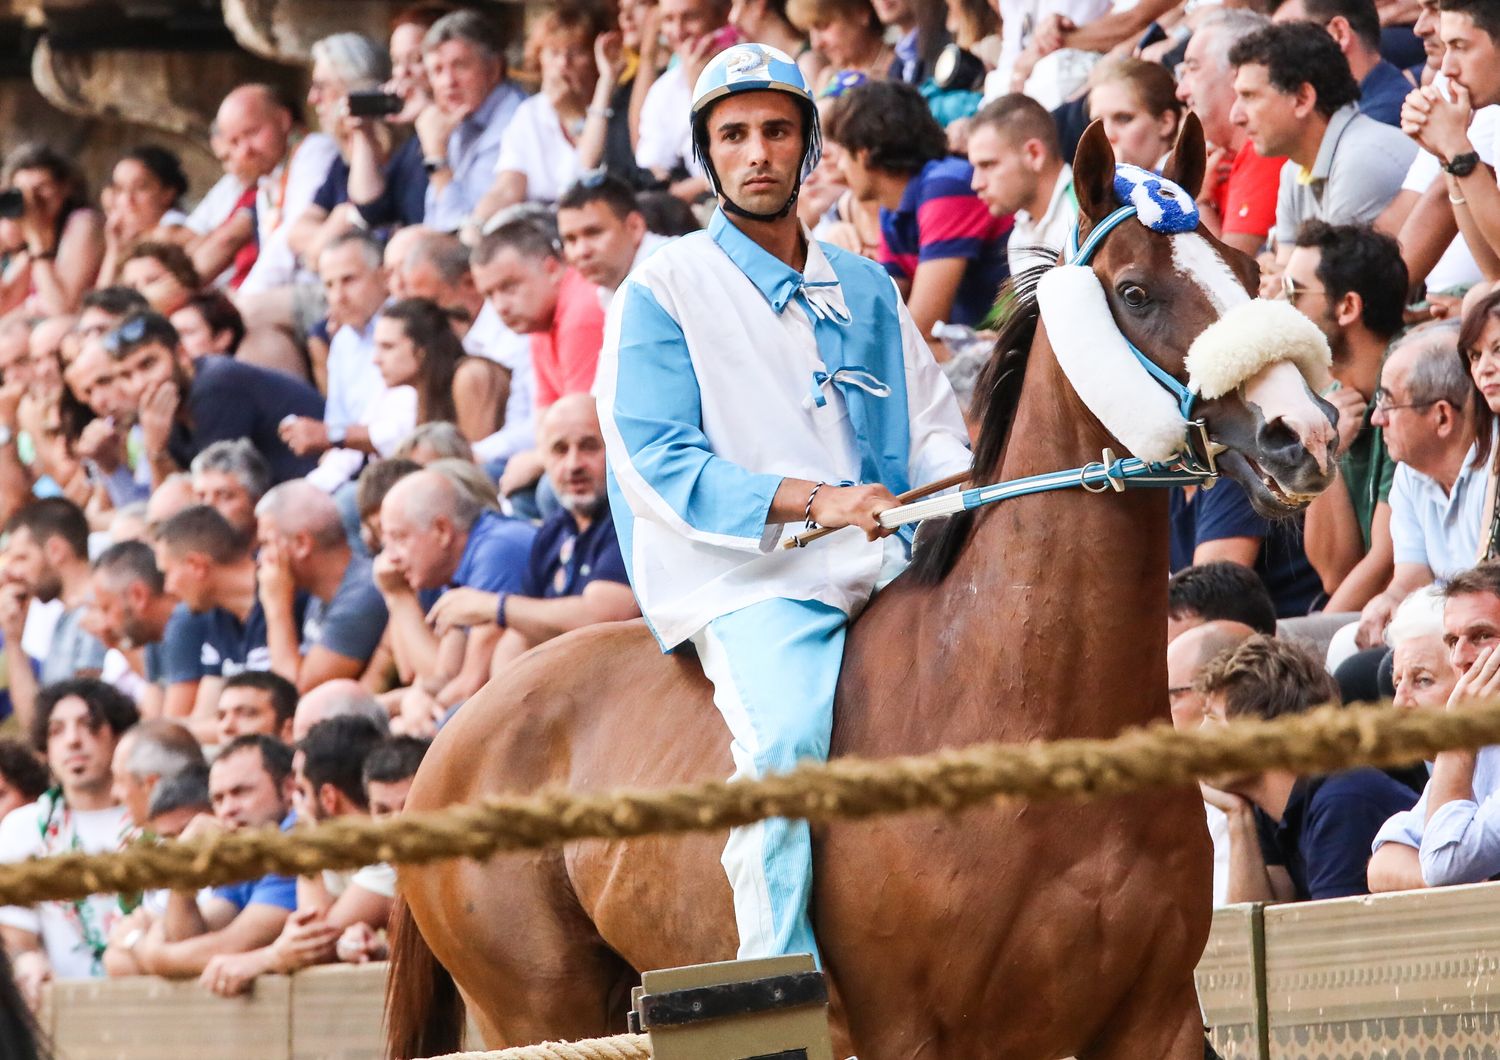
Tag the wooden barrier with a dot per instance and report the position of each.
(1390, 977)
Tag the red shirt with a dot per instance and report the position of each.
(566, 356)
(1247, 198)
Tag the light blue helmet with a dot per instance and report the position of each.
(753, 68)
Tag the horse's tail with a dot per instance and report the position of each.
(424, 1012)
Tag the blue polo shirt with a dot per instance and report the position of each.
(496, 554)
(1223, 512)
(1324, 837)
(564, 561)
(278, 891)
(1383, 91)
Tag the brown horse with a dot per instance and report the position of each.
(1031, 931)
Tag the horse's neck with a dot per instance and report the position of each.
(1077, 580)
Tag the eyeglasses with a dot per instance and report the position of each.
(1291, 291)
(1385, 403)
(127, 334)
(1178, 690)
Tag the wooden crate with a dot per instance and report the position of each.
(1387, 977)
(156, 1019)
(1229, 983)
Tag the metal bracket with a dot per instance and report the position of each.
(732, 999)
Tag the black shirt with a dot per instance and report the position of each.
(228, 399)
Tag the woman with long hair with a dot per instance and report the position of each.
(1137, 101)
(141, 203)
(416, 346)
(54, 248)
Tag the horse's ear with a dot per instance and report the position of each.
(1094, 174)
(1187, 164)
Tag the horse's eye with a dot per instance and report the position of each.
(1134, 295)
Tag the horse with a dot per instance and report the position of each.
(1018, 930)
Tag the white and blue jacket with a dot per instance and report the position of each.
(724, 371)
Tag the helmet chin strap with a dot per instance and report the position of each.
(730, 206)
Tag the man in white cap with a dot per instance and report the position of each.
(752, 377)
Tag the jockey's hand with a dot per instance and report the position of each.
(840, 506)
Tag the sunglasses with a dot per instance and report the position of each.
(127, 334)
(1291, 291)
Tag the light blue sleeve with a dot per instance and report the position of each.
(669, 464)
(1461, 843)
(1407, 538)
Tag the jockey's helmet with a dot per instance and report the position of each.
(753, 68)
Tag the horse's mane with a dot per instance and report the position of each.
(999, 389)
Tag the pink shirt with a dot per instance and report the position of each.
(566, 357)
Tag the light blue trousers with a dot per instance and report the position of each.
(774, 666)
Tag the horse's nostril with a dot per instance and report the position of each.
(1276, 436)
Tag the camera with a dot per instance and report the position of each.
(374, 103)
(12, 204)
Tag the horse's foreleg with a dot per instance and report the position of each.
(1167, 1025)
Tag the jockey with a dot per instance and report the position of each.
(752, 378)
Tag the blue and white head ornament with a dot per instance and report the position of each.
(1160, 204)
(753, 68)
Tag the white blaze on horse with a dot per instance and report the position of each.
(1022, 931)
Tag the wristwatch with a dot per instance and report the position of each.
(432, 165)
(1462, 165)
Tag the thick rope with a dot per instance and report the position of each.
(620, 1047)
(1321, 741)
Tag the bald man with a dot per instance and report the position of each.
(334, 699)
(437, 537)
(303, 547)
(576, 576)
(1189, 653)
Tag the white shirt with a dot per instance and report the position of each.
(388, 418)
(215, 206)
(535, 147)
(279, 201)
(1050, 230)
(1456, 268)
(1438, 529)
(1461, 844)
(1218, 831)
(488, 337)
(713, 386)
(353, 379)
(67, 929)
(666, 130)
(1019, 20)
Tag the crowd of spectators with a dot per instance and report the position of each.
(293, 464)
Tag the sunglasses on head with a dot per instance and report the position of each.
(127, 334)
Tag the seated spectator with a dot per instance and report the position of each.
(416, 347)
(163, 274)
(1355, 27)
(1186, 657)
(1450, 836)
(519, 267)
(207, 324)
(440, 440)
(231, 477)
(940, 243)
(375, 481)
(1295, 96)
(436, 536)
(338, 698)
(176, 800)
(1019, 170)
(57, 244)
(576, 575)
(1215, 592)
(845, 34)
(255, 701)
(187, 405)
(1312, 832)
(388, 772)
(341, 63)
(1441, 117)
(303, 548)
(141, 204)
(1479, 346)
(106, 308)
(327, 770)
(250, 783)
(77, 725)
(539, 155)
(1422, 674)
(664, 145)
(1351, 282)
(47, 560)
(1425, 409)
(23, 776)
(132, 613)
(603, 233)
(1238, 199)
(1220, 525)
(458, 134)
(1137, 101)
(149, 751)
(206, 566)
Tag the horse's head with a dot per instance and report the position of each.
(1185, 301)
